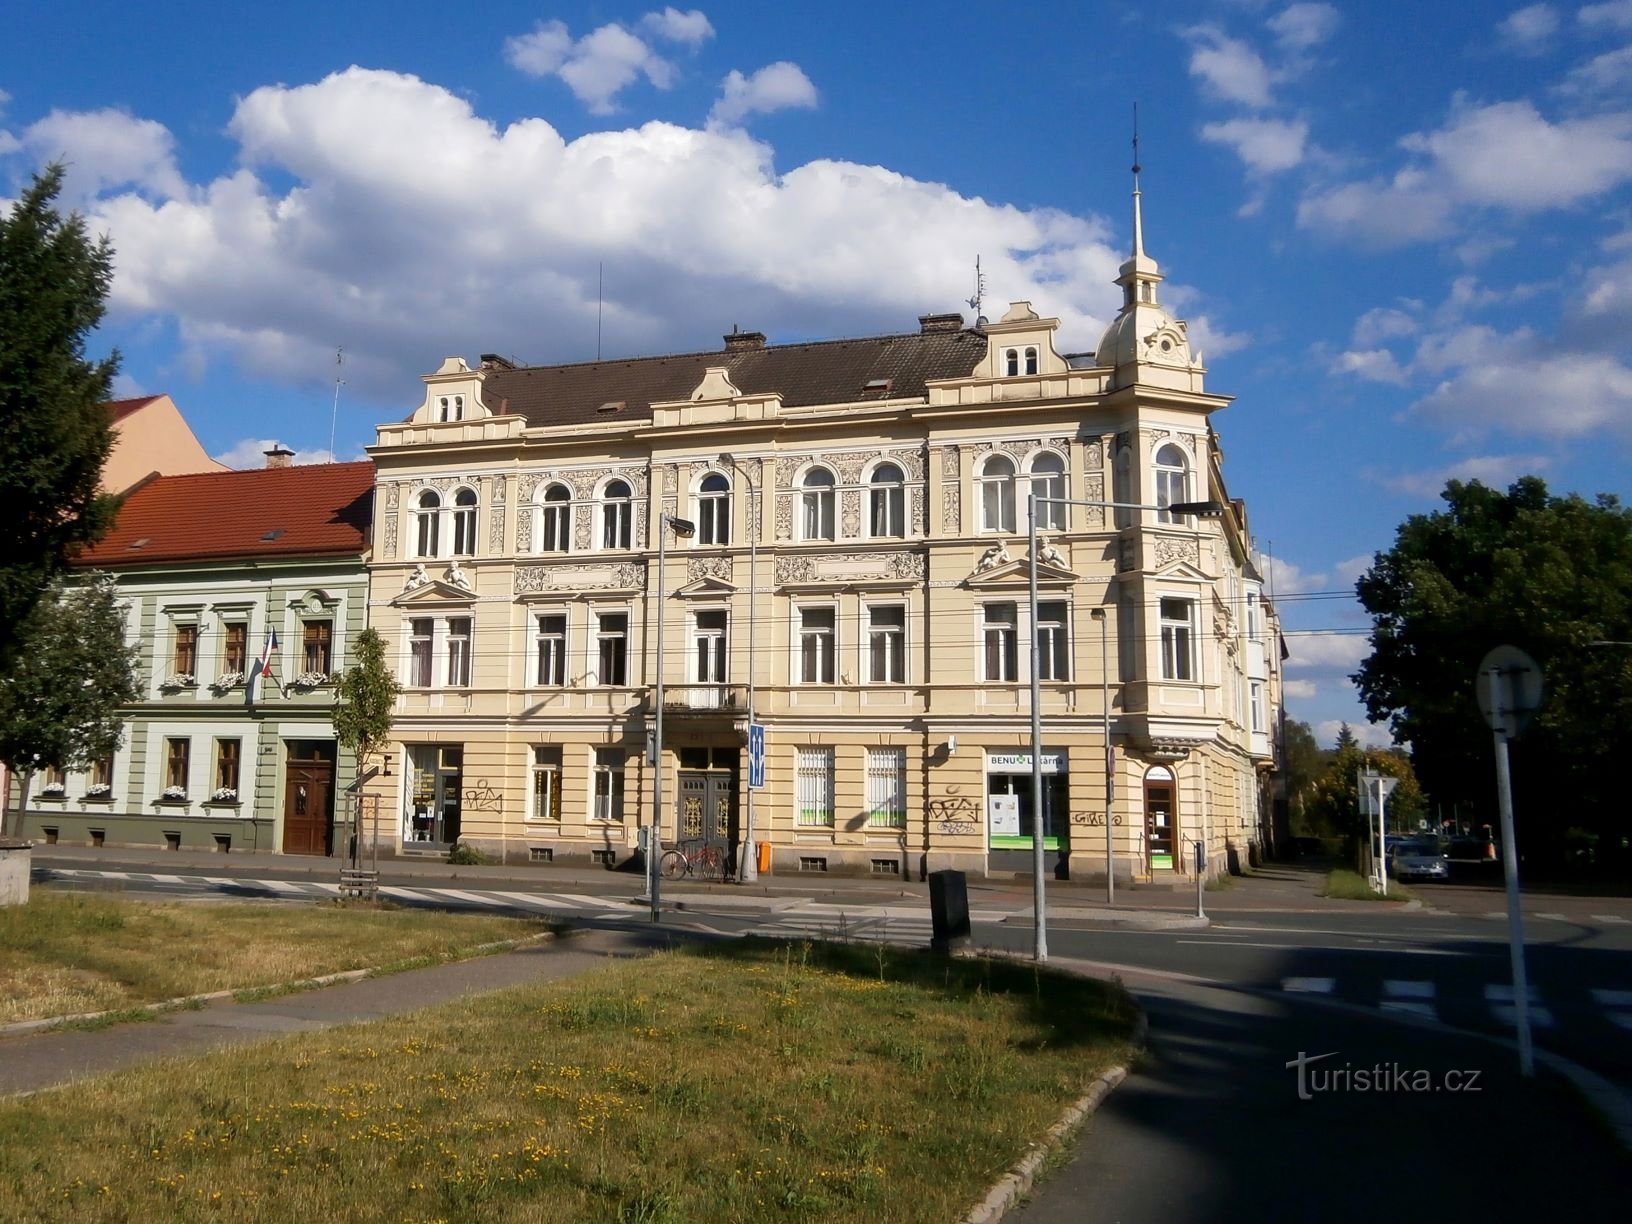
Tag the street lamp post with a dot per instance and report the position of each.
(747, 867)
(1110, 759)
(1201, 509)
(684, 529)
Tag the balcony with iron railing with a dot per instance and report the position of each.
(705, 698)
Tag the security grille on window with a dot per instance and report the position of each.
(887, 643)
(1177, 617)
(816, 632)
(1048, 480)
(816, 505)
(185, 661)
(176, 754)
(887, 503)
(612, 646)
(459, 652)
(615, 517)
(546, 804)
(554, 519)
(552, 649)
(316, 646)
(226, 766)
(1001, 641)
(997, 494)
(427, 524)
(711, 626)
(235, 648)
(813, 787)
(608, 784)
(887, 788)
(1053, 650)
(420, 642)
(714, 510)
(464, 523)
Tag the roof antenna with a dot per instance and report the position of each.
(980, 292)
(600, 294)
(334, 415)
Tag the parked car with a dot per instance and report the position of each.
(1418, 858)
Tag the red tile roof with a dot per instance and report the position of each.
(322, 510)
(120, 409)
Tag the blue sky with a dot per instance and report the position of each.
(1401, 233)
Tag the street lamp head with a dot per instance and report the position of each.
(684, 528)
(1201, 509)
(1097, 614)
(728, 458)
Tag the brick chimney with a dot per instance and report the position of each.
(940, 323)
(279, 456)
(741, 341)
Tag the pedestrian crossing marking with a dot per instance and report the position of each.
(1612, 918)
(1550, 917)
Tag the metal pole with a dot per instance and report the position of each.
(1382, 836)
(1510, 871)
(1039, 948)
(748, 869)
(1110, 759)
(654, 836)
(1201, 867)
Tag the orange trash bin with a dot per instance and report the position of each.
(763, 860)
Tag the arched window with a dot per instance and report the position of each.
(997, 494)
(1172, 481)
(452, 407)
(464, 523)
(1048, 480)
(887, 503)
(816, 505)
(615, 515)
(427, 521)
(1031, 361)
(714, 510)
(1011, 362)
(554, 519)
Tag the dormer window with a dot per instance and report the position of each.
(1031, 361)
(1011, 363)
(451, 408)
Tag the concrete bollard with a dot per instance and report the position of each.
(14, 867)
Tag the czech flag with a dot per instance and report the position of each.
(263, 667)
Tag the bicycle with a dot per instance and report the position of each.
(703, 860)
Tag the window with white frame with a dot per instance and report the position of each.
(464, 523)
(427, 524)
(555, 519)
(1048, 480)
(1177, 618)
(317, 647)
(99, 778)
(1053, 640)
(421, 643)
(997, 494)
(551, 641)
(1031, 361)
(612, 648)
(451, 408)
(1001, 641)
(234, 648)
(178, 752)
(546, 801)
(887, 643)
(184, 651)
(615, 515)
(710, 645)
(1172, 482)
(816, 505)
(813, 787)
(1252, 615)
(886, 788)
(1256, 702)
(817, 630)
(459, 652)
(714, 510)
(608, 783)
(887, 503)
(1011, 363)
(226, 770)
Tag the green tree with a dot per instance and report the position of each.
(1345, 737)
(1334, 799)
(1547, 574)
(60, 701)
(55, 432)
(366, 697)
(1302, 763)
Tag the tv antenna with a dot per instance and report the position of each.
(334, 415)
(980, 289)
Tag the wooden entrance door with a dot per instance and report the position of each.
(308, 807)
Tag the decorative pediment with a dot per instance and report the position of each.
(434, 591)
(716, 385)
(706, 588)
(1181, 553)
(872, 568)
(568, 579)
(1018, 574)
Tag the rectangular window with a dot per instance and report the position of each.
(546, 803)
(887, 643)
(176, 753)
(1257, 703)
(1178, 661)
(235, 648)
(1252, 616)
(816, 632)
(612, 645)
(99, 780)
(886, 788)
(420, 641)
(53, 779)
(552, 649)
(459, 652)
(1053, 649)
(317, 639)
(185, 660)
(226, 768)
(813, 787)
(710, 641)
(1002, 650)
(609, 784)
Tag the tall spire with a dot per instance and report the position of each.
(1138, 221)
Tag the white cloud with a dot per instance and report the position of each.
(1382, 323)
(1227, 67)
(691, 28)
(1373, 365)
(1369, 735)
(1266, 146)
(1609, 292)
(1299, 688)
(1615, 15)
(775, 87)
(1287, 577)
(1608, 73)
(1498, 471)
(1209, 340)
(251, 453)
(1527, 30)
(378, 242)
(1536, 392)
(107, 149)
(1326, 651)
(1347, 571)
(1300, 27)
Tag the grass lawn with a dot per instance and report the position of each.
(748, 1081)
(69, 952)
(1352, 886)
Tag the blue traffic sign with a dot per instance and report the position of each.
(756, 755)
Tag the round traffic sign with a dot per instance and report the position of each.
(1510, 688)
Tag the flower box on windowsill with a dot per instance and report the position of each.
(228, 681)
(50, 797)
(178, 682)
(309, 680)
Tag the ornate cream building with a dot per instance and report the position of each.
(857, 572)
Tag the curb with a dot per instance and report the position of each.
(1017, 1182)
(22, 1028)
